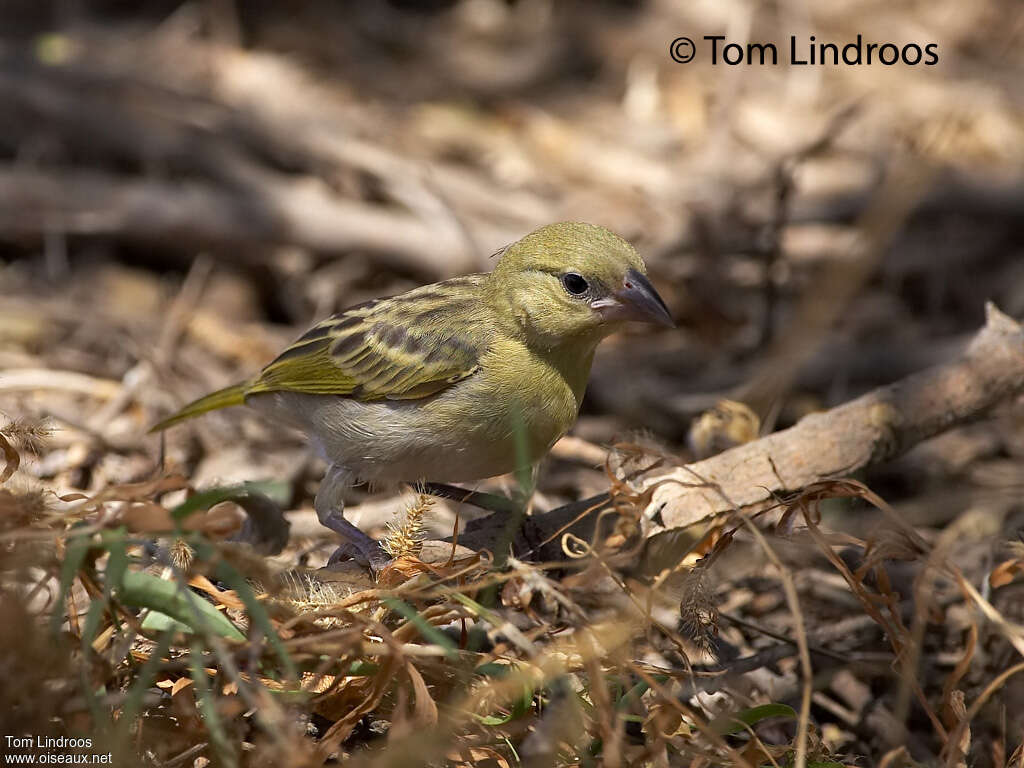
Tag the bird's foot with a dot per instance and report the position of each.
(366, 552)
(330, 510)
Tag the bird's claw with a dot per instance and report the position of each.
(373, 557)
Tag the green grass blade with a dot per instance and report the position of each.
(142, 590)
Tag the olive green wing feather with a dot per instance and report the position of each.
(402, 348)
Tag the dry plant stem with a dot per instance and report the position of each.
(924, 589)
(961, 668)
(793, 601)
(783, 173)
(12, 459)
(188, 754)
(815, 649)
(892, 756)
(894, 630)
(182, 307)
(971, 713)
(608, 724)
(871, 429)
(799, 630)
(742, 666)
(1014, 633)
(760, 744)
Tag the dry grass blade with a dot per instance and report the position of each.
(12, 459)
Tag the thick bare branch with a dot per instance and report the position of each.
(873, 428)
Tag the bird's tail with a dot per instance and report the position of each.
(222, 398)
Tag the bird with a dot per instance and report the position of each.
(456, 381)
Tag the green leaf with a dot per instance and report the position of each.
(277, 491)
(161, 622)
(205, 499)
(738, 721)
(142, 590)
(92, 623)
(494, 719)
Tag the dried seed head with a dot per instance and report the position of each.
(181, 554)
(405, 538)
(23, 506)
(698, 614)
(28, 434)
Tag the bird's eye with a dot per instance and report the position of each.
(574, 283)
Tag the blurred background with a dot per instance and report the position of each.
(186, 186)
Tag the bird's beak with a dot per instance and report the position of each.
(637, 300)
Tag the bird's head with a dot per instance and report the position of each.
(573, 280)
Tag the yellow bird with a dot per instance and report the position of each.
(456, 381)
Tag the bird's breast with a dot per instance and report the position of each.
(508, 415)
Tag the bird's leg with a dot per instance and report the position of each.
(330, 511)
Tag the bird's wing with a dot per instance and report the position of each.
(406, 347)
